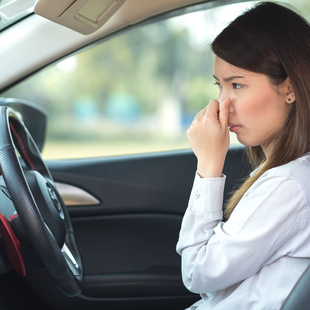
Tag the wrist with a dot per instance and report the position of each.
(209, 169)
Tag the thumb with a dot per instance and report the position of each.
(224, 112)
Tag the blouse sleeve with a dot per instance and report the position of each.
(216, 255)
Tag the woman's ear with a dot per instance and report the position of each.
(289, 91)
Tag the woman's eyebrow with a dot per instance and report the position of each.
(230, 78)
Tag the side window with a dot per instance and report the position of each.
(137, 92)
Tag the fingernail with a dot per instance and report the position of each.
(226, 101)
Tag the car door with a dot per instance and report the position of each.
(127, 239)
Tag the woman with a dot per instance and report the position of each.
(253, 260)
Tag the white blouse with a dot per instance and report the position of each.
(253, 260)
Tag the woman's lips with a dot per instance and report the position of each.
(233, 127)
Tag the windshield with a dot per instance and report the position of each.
(14, 10)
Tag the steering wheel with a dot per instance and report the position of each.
(41, 220)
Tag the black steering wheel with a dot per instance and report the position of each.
(41, 218)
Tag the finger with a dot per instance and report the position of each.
(213, 109)
(197, 116)
(224, 112)
(200, 113)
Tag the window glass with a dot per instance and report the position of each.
(137, 92)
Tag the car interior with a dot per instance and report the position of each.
(85, 224)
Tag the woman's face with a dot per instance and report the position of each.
(258, 109)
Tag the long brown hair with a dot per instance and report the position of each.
(273, 40)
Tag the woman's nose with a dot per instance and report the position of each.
(228, 93)
(224, 94)
(232, 101)
(231, 107)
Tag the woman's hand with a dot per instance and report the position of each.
(209, 138)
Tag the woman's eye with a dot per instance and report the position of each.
(218, 84)
(236, 85)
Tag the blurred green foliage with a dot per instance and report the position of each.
(142, 86)
(148, 66)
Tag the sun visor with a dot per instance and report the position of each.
(83, 16)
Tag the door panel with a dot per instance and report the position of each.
(128, 240)
(137, 261)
